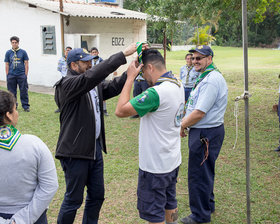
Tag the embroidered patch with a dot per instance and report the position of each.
(5, 133)
(143, 98)
(179, 115)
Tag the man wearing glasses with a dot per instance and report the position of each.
(205, 120)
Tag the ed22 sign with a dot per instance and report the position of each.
(117, 41)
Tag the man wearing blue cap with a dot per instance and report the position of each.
(79, 96)
(204, 118)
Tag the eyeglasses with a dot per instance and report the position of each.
(198, 58)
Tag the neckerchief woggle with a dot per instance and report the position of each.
(9, 136)
(209, 69)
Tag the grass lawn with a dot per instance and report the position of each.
(121, 163)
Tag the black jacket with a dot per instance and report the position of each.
(77, 118)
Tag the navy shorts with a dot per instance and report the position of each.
(156, 193)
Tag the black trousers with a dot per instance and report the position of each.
(78, 174)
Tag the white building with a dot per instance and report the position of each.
(37, 24)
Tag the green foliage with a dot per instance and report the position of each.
(223, 16)
(202, 37)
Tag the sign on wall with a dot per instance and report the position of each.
(117, 41)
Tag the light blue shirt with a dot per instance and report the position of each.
(95, 101)
(189, 81)
(62, 66)
(96, 61)
(210, 97)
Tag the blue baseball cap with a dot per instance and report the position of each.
(78, 54)
(203, 49)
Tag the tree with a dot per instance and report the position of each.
(202, 37)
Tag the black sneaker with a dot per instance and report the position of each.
(106, 113)
(277, 149)
(188, 220)
(26, 109)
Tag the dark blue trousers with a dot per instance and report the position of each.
(187, 93)
(139, 87)
(78, 174)
(201, 177)
(42, 219)
(19, 80)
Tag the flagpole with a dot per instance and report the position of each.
(246, 100)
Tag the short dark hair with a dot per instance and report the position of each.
(7, 103)
(154, 57)
(93, 48)
(14, 38)
(188, 55)
(68, 48)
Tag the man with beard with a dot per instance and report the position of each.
(82, 135)
(205, 120)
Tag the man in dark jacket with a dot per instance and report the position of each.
(79, 97)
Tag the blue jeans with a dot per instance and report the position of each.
(201, 177)
(42, 219)
(78, 174)
(139, 87)
(19, 80)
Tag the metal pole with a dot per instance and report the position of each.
(61, 26)
(246, 99)
(164, 44)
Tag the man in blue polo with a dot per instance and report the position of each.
(188, 75)
(161, 109)
(16, 65)
(205, 120)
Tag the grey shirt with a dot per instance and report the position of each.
(28, 179)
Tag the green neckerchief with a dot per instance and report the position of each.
(209, 69)
(9, 135)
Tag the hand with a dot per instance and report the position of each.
(130, 50)
(133, 69)
(183, 132)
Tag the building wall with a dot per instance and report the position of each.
(110, 35)
(18, 19)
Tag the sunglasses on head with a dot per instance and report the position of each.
(198, 58)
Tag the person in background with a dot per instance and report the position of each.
(204, 118)
(28, 179)
(62, 66)
(140, 85)
(17, 67)
(95, 61)
(278, 113)
(161, 108)
(188, 75)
